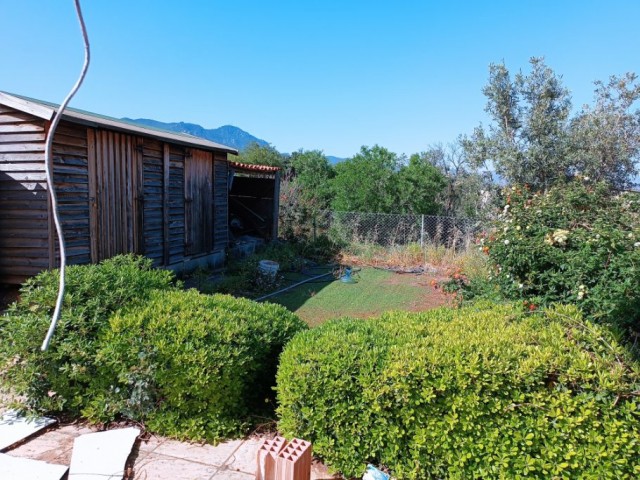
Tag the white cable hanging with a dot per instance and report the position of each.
(49, 173)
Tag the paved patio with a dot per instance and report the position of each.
(159, 458)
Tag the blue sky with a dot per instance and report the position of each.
(330, 75)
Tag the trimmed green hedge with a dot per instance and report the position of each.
(57, 380)
(481, 392)
(190, 366)
(132, 344)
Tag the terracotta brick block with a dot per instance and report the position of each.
(266, 458)
(294, 461)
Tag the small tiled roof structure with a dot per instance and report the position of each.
(250, 167)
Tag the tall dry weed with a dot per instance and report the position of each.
(466, 259)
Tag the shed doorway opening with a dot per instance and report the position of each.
(254, 203)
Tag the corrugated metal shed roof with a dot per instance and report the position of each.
(46, 110)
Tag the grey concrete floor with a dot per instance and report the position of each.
(159, 458)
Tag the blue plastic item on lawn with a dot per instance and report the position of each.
(372, 473)
(346, 278)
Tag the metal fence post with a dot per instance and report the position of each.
(314, 228)
(422, 232)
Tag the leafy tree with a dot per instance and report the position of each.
(420, 185)
(312, 170)
(377, 180)
(305, 191)
(533, 140)
(257, 154)
(605, 138)
(293, 219)
(527, 139)
(367, 182)
(468, 192)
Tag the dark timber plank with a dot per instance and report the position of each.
(165, 202)
(93, 194)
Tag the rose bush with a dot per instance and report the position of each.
(577, 243)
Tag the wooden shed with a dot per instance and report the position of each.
(121, 188)
(254, 200)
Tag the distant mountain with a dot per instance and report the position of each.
(226, 135)
(333, 160)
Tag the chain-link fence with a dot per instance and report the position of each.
(394, 229)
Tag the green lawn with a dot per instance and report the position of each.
(376, 291)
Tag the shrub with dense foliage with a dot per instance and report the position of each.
(57, 380)
(321, 249)
(131, 344)
(190, 365)
(479, 392)
(573, 244)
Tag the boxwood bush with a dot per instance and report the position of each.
(480, 392)
(189, 365)
(131, 343)
(57, 380)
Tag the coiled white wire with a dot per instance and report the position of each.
(48, 155)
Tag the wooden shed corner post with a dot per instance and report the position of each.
(276, 207)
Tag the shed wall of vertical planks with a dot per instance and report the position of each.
(117, 193)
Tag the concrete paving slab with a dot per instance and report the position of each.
(161, 467)
(205, 454)
(150, 444)
(228, 475)
(51, 446)
(16, 468)
(159, 457)
(15, 428)
(243, 461)
(244, 458)
(102, 454)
